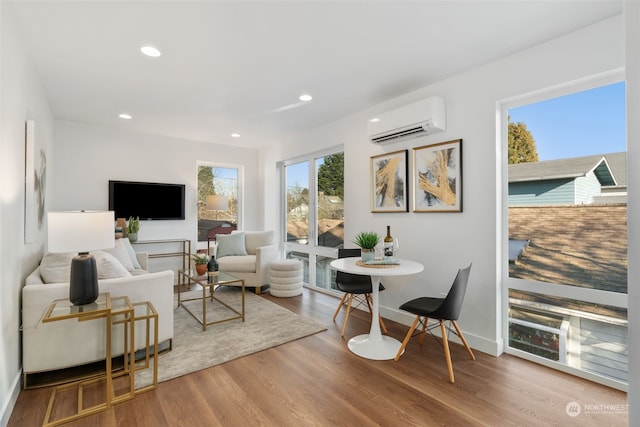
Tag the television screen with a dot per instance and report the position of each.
(147, 200)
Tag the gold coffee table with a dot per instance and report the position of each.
(211, 283)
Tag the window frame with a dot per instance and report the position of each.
(311, 248)
(240, 169)
(615, 299)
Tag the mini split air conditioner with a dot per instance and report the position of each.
(419, 118)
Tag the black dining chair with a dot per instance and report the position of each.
(441, 309)
(354, 286)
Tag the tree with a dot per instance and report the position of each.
(331, 175)
(522, 145)
(205, 183)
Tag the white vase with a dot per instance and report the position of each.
(367, 254)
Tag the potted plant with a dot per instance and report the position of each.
(367, 241)
(132, 228)
(200, 259)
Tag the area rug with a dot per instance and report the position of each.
(266, 325)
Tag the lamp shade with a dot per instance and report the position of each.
(80, 231)
(217, 202)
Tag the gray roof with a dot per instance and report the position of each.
(611, 169)
(618, 165)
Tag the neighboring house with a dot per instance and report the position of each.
(208, 228)
(568, 225)
(573, 181)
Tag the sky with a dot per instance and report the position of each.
(581, 124)
(225, 180)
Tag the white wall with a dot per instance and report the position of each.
(444, 242)
(21, 98)
(86, 157)
(632, 26)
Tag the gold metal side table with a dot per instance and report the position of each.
(114, 311)
(147, 312)
(104, 308)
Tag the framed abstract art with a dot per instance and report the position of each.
(389, 182)
(437, 177)
(35, 179)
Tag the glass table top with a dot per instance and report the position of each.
(217, 278)
(64, 309)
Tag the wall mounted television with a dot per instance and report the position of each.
(147, 200)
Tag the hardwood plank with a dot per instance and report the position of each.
(317, 381)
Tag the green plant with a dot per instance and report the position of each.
(134, 224)
(200, 258)
(367, 239)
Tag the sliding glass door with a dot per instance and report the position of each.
(314, 213)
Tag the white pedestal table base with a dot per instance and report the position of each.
(383, 349)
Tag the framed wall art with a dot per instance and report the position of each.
(35, 175)
(389, 182)
(437, 177)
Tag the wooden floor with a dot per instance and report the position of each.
(316, 381)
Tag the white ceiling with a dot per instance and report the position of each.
(238, 66)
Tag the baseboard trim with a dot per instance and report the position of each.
(8, 405)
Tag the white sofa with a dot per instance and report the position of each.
(68, 343)
(247, 255)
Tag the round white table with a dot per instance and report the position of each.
(374, 345)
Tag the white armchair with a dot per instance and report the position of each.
(247, 255)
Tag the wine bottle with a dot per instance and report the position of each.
(388, 244)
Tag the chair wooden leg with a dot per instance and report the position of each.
(455, 325)
(382, 325)
(406, 339)
(340, 306)
(367, 298)
(346, 317)
(424, 330)
(447, 354)
(384, 328)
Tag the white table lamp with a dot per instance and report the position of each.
(217, 202)
(81, 232)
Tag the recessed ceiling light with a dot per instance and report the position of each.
(306, 97)
(235, 135)
(125, 116)
(150, 51)
(375, 119)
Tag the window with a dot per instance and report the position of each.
(566, 232)
(315, 219)
(218, 200)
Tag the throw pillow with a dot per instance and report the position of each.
(132, 253)
(121, 254)
(108, 266)
(56, 268)
(230, 244)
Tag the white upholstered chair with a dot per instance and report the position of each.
(247, 255)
